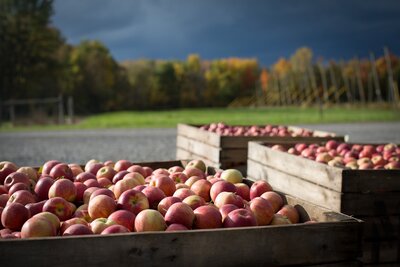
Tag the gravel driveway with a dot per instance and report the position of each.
(34, 148)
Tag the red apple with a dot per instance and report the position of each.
(192, 171)
(202, 188)
(122, 165)
(150, 220)
(178, 177)
(72, 221)
(125, 184)
(191, 180)
(84, 176)
(180, 213)
(133, 201)
(240, 218)
(154, 195)
(148, 171)
(278, 148)
(88, 193)
(275, 199)
(221, 186)
(175, 169)
(280, 219)
(258, 188)
(114, 229)
(80, 190)
(98, 225)
(165, 183)
(102, 191)
(124, 218)
(18, 186)
(60, 207)
(119, 176)
(38, 226)
(48, 165)
(197, 163)
(106, 172)
(64, 188)
(290, 212)
(3, 200)
(77, 229)
(75, 168)
(194, 201)
(176, 227)
(225, 209)
(166, 202)
(101, 206)
(30, 172)
(207, 217)
(93, 168)
(392, 165)
(6, 167)
(23, 197)
(138, 169)
(331, 144)
(183, 193)
(16, 177)
(35, 207)
(228, 198)
(92, 183)
(232, 175)
(262, 210)
(62, 170)
(14, 216)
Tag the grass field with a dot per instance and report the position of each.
(240, 116)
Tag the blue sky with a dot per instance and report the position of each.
(267, 30)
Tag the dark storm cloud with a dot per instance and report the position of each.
(220, 28)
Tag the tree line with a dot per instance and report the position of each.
(37, 62)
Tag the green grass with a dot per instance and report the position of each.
(240, 116)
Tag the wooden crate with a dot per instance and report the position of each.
(229, 151)
(370, 195)
(334, 241)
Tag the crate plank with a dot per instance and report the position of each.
(381, 252)
(184, 154)
(381, 227)
(194, 132)
(202, 149)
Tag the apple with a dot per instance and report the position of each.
(336, 163)
(61, 170)
(300, 147)
(178, 177)
(331, 144)
(109, 163)
(343, 146)
(83, 213)
(197, 163)
(78, 229)
(3, 189)
(92, 183)
(133, 201)
(392, 165)
(165, 183)
(114, 229)
(35, 207)
(221, 186)
(192, 171)
(23, 197)
(6, 168)
(207, 217)
(64, 188)
(101, 206)
(324, 157)
(232, 175)
(124, 218)
(150, 220)
(64, 225)
(93, 168)
(194, 201)
(258, 188)
(192, 179)
(148, 171)
(80, 190)
(154, 196)
(183, 193)
(106, 172)
(240, 218)
(262, 210)
(16, 177)
(104, 182)
(48, 165)
(84, 176)
(175, 169)
(18, 186)
(228, 198)
(181, 185)
(38, 226)
(160, 171)
(391, 147)
(98, 225)
(14, 216)
(278, 148)
(138, 169)
(280, 219)
(166, 202)
(202, 188)
(180, 213)
(225, 209)
(30, 172)
(125, 184)
(176, 227)
(119, 176)
(75, 168)
(290, 212)
(293, 151)
(102, 191)
(275, 199)
(122, 165)
(3, 200)
(87, 194)
(60, 207)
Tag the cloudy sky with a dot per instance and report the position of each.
(265, 29)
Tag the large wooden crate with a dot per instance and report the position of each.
(370, 195)
(334, 241)
(229, 151)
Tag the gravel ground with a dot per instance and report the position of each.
(34, 148)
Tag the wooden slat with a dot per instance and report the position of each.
(371, 181)
(320, 243)
(381, 227)
(202, 149)
(203, 136)
(184, 154)
(339, 264)
(313, 171)
(295, 186)
(381, 252)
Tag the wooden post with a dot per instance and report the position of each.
(324, 83)
(375, 77)
(359, 82)
(390, 76)
(60, 110)
(334, 82)
(346, 83)
(71, 110)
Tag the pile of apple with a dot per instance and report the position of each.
(255, 130)
(107, 197)
(351, 156)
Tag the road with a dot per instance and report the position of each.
(34, 148)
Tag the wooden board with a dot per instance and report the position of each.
(338, 179)
(381, 252)
(334, 241)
